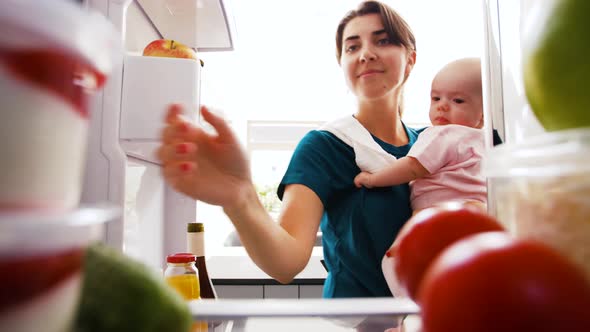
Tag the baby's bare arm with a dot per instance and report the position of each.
(403, 170)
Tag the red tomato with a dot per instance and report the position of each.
(427, 233)
(492, 282)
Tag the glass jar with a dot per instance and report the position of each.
(182, 274)
(540, 189)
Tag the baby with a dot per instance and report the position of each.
(444, 163)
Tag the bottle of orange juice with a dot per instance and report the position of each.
(182, 274)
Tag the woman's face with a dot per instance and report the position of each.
(373, 67)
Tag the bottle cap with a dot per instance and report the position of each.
(195, 227)
(183, 257)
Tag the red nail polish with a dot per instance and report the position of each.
(388, 253)
(181, 148)
(183, 127)
(176, 108)
(185, 167)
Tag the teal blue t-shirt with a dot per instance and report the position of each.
(358, 225)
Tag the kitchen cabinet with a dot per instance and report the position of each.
(281, 291)
(269, 291)
(235, 276)
(239, 291)
(310, 291)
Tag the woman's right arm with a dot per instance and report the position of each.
(280, 249)
(214, 168)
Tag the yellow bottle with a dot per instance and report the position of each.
(183, 276)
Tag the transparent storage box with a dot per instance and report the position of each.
(540, 189)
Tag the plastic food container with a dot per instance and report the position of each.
(53, 56)
(540, 189)
(41, 259)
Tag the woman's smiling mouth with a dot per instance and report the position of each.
(370, 72)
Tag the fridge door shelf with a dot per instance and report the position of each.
(150, 85)
(330, 313)
(205, 25)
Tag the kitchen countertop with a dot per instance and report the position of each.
(233, 266)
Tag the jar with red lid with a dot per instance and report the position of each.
(182, 274)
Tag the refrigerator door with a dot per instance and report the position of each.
(505, 106)
(205, 25)
(506, 110)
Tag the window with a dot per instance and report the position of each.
(283, 79)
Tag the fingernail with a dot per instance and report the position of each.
(388, 253)
(185, 167)
(176, 108)
(182, 148)
(183, 127)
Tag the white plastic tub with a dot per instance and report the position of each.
(53, 56)
(41, 266)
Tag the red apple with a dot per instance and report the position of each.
(168, 48)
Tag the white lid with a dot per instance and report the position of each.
(558, 153)
(62, 25)
(29, 232)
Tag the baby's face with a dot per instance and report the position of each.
(455, 98)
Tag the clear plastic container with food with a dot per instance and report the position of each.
(41, 264)
(540, 189)
(53, 56)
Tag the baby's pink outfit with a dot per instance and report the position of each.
(452, 154)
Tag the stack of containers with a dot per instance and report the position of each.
(53, 56)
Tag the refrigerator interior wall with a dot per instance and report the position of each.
(104, 175)
(144, 194)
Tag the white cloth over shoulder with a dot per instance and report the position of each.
(369, 155)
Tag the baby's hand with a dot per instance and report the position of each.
(363, 179)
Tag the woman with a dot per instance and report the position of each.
(376, 50)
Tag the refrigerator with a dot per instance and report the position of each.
(127, 116)
(125, 129)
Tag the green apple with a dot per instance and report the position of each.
(556, 64)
